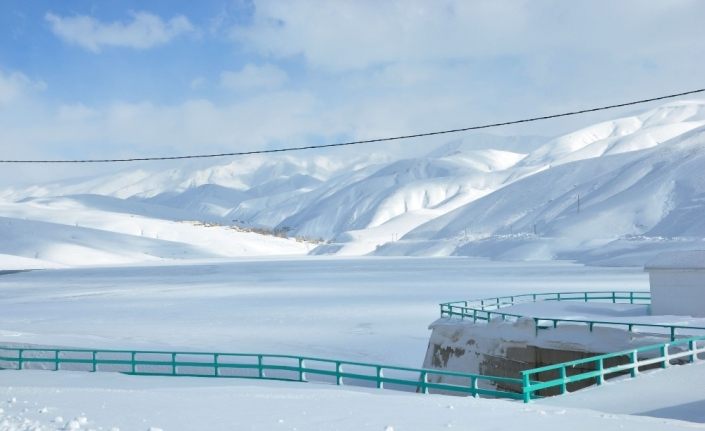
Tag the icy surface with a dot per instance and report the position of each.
(375, 309)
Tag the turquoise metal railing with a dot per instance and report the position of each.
(256, 366)
(483, 310)
(339, 372)
(664, 355)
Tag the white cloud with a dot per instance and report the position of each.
(357, 34)
(14, 86)
(382, 68)
(144, 31)
(253, 77)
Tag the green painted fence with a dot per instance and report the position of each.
(662, 355)
(339, 372)
(483, 310)
(257, 366)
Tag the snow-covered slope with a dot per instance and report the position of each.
(638, 190)
(99, 230)
(589, 210)
(402, 194)
(596, 142)
(622, 135)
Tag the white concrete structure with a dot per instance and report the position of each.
(678, 283)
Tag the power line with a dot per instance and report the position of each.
(366, 141)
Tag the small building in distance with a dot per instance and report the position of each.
(677, 282)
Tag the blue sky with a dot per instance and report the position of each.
(102, 79)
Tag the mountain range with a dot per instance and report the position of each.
(613, 193)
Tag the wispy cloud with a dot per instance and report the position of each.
(143, 31)
(15, 85)
(253, 77)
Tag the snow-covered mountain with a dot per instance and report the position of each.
(611, 193)
(617, 206)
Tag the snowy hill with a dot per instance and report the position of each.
(98, 230)
(597, 143)
(613, 209)
(637, 179)
(622, 135)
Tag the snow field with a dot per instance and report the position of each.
(368, 309)
(108, 401)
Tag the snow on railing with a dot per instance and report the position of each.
(257, 366)
(630, 362)
(484, 310)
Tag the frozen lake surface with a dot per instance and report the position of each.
(372, 309)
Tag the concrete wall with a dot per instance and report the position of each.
(507, 348)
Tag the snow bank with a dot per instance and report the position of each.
(49, 400)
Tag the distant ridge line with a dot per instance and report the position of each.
(366, 141)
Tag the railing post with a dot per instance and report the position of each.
(586, 297)
(564, 385)
(474, 315)
(424, 387)
(93, 353)
(302, 375)
(631, 297)
(216, 370)
(338, 377)
(173, 364)
(673, 333)
(260, 370)
(132, 362)
(692, 346)
(601, 369)
(614, 298)
(56, 360)
(525, 387)
(19, 359)
(380, 385)
(473, 385)
(664, 355)
(635, 363)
